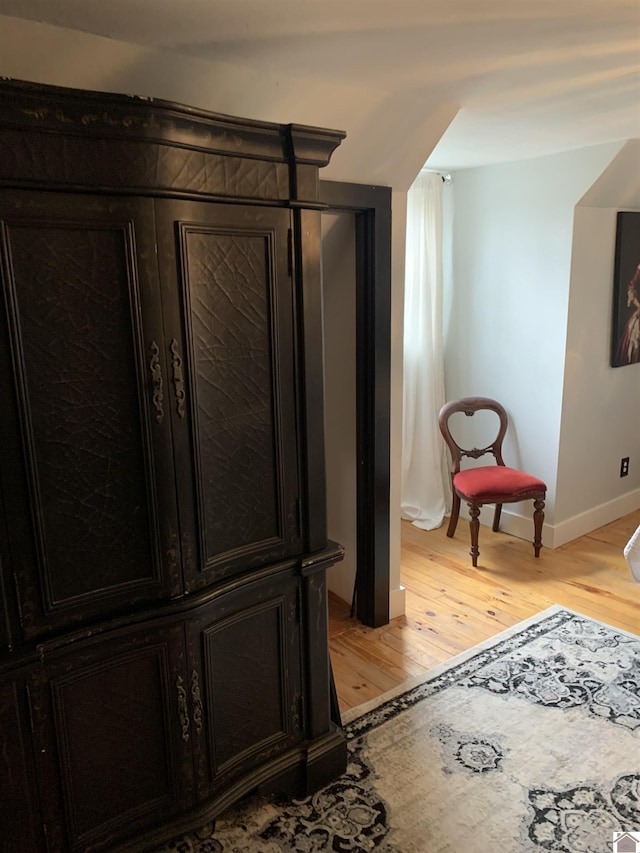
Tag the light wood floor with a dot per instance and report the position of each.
(450, 606)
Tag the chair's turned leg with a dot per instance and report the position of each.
(474, 524)
(496, 518)
(455, 512)
(538, 518)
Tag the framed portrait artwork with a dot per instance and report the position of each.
(625, 338)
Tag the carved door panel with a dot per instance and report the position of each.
(229, 325)
(20, 825)
(85, 435)
(112, 724)
(245, 681)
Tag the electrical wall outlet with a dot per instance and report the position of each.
(624, 466)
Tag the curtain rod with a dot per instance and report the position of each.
(447, 177)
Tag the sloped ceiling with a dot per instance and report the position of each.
(526, 78)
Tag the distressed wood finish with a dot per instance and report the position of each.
(244, 657)
(163, 548)
(451, 606)
(19, 816)
(68, 138)
(91, 525)
(227, 282)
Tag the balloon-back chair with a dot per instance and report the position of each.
(489, 484)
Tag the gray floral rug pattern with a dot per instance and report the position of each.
(529, 742)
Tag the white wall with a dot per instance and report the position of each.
(601, 404)
(508, 309)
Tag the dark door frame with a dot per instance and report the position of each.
(372, 208)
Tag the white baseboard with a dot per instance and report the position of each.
(554, 535)
(590, 520)
(397, 599)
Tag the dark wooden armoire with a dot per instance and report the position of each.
(163, 629)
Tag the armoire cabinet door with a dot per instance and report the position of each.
(245, 679)
(112, 726)
(21, 827)
(229, 307)
(85, 432)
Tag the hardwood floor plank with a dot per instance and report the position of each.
(452, 605)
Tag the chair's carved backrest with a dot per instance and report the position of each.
(471, 405)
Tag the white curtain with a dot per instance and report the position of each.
(425, 489)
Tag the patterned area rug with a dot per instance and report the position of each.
(529, 742)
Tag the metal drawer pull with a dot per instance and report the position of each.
(183, 713)
(178, 377)
(197, 702)
(156, 380)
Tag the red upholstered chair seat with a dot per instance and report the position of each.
(488, 484)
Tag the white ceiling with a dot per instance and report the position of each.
(530, 78)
